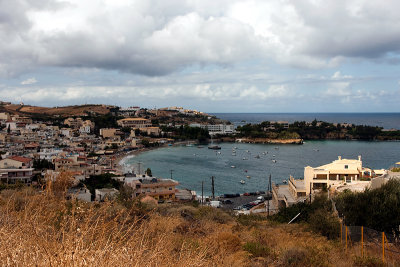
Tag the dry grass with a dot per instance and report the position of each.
(43, 229)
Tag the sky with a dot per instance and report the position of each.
(208, 55)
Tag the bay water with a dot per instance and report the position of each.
(192, 165)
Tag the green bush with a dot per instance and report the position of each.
(378, 209)
(325, 223)
(256, 249)
(249, 220)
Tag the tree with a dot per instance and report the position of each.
(148, 172)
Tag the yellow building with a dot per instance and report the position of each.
(160, 189)
(136, 123)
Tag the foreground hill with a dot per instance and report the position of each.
(41, 229)
(78, 110)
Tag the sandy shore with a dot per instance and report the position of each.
(121, 156)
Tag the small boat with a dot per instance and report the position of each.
(247, 151)
(245, 170)
(273, 155)
(284, 181)
(274, 160)
(219, 152)
(264, 153)
(215, 147)
(248, 176)
(257, 157)
(233, 166)
(277, 148)
(316, 150)
(242, 181)
(244, 159)
(235, 147)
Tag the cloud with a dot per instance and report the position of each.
(159, 37)
(29, 81)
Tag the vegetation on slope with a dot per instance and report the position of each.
(378, 209)
(44, 229)
(315, 131)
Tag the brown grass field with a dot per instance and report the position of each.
(79, 110)
(44, 229)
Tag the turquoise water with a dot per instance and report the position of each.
(191, 165)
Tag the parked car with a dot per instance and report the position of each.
(227, 201)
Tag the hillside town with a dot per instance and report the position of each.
(35, 149)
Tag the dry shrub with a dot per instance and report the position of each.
(213, 214)
(368, 262)
(58, 184)
(51, 231)
(308, 256)
(228, 241)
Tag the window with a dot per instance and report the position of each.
(346, 166)
(170, 188)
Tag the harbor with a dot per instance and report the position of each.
(192, 165)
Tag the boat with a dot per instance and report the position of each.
(264, 153)
(215, 147)
(274, 160)
(245, 170)
(248, 176)
(257, 157)
(233, 166)
(284, 181)
(242, 181)
(244, 159)
(277, 148)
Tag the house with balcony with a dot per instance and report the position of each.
(14, 175)
(160, 189)
(333, 176)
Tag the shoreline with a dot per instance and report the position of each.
(121, 157)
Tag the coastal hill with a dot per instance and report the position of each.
(77, 110)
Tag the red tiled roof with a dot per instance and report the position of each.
(21, 159)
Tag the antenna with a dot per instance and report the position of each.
(212, 187)
(171, 171)
(202, 193)
(139, 164)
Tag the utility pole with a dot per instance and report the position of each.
(171, 171)
(269, 193)
(310, 191)
(212, 187)
(202, 193)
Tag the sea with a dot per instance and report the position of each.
(254, 163)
